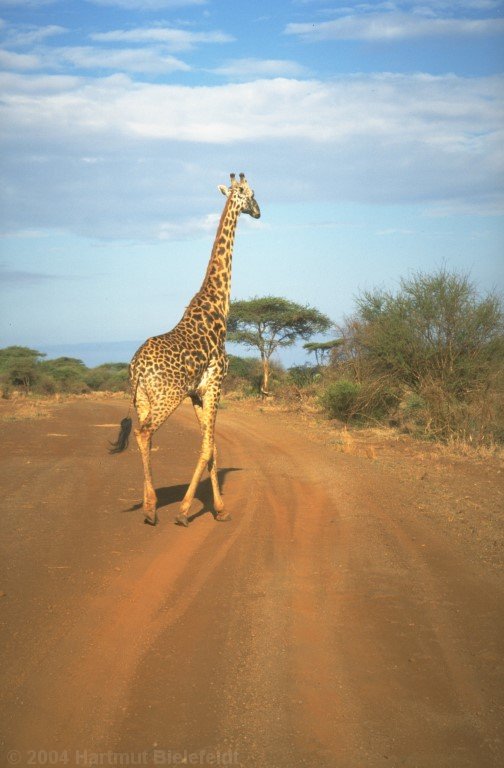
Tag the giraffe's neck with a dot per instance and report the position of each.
(216, 286)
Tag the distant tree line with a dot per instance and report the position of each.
(428, 359)
(26, 370)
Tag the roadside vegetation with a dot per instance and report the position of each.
(25, 371)
(426, 360)
(269, 323)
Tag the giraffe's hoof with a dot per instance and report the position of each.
(181, 520)
(223, 517)
(150, 520)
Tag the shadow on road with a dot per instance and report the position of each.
(174, 494)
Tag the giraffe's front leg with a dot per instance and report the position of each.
(218, 501)
(206, 411)
(212, 463)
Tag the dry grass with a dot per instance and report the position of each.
(456, 447)
(21, 407)
(374, 441)
(368, 443)
(365, 441)
(26, 409)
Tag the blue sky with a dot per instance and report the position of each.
(372, 134)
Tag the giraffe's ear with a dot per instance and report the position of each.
(225, 191)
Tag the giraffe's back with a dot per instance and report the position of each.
(167, 366)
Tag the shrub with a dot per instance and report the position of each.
(109, 377)
(46, 385)
(24, 369)
(67, 373)
(339, 399)
(435, 338)
(5, 385)
(245, 375)
(303, 375)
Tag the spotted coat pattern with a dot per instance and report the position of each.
(191, 360)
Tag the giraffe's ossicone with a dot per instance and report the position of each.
(190, 361)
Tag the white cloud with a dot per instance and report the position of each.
(449, 6)
(27, 3)
(202, 226)
(30, 35)
(29, 234)
(176, 39)
(393, 26)
(17, 85)
(142, 50)
(448, 113)
(189, 228)
(149, 60)
(422, 7)
(19, 61)
(393, 231)
(436, 110)
(486, 206)
(254, 68)
(149, 5)
(367, 138)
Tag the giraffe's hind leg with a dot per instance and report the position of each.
(144, 438)
(151, 417)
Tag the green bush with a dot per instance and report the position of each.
(46, 385)
(303, 375)
(436, 339)
(109, 377)
(339, 399)
(245, 374)
(67, 373)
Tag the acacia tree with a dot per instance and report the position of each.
(321, 349)
(269, 322)
(18, 367)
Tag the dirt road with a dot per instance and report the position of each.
(340, 620)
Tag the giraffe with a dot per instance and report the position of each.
(190, 360)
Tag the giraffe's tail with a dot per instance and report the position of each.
(123, 438)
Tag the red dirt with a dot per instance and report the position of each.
(350, 614)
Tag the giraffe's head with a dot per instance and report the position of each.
(241, 194)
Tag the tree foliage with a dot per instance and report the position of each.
(25, 369)
(321, 349)
(435, 338)
(109, 377)
(19, 367)
(64, 374)
(435, 328)
(270, 322)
